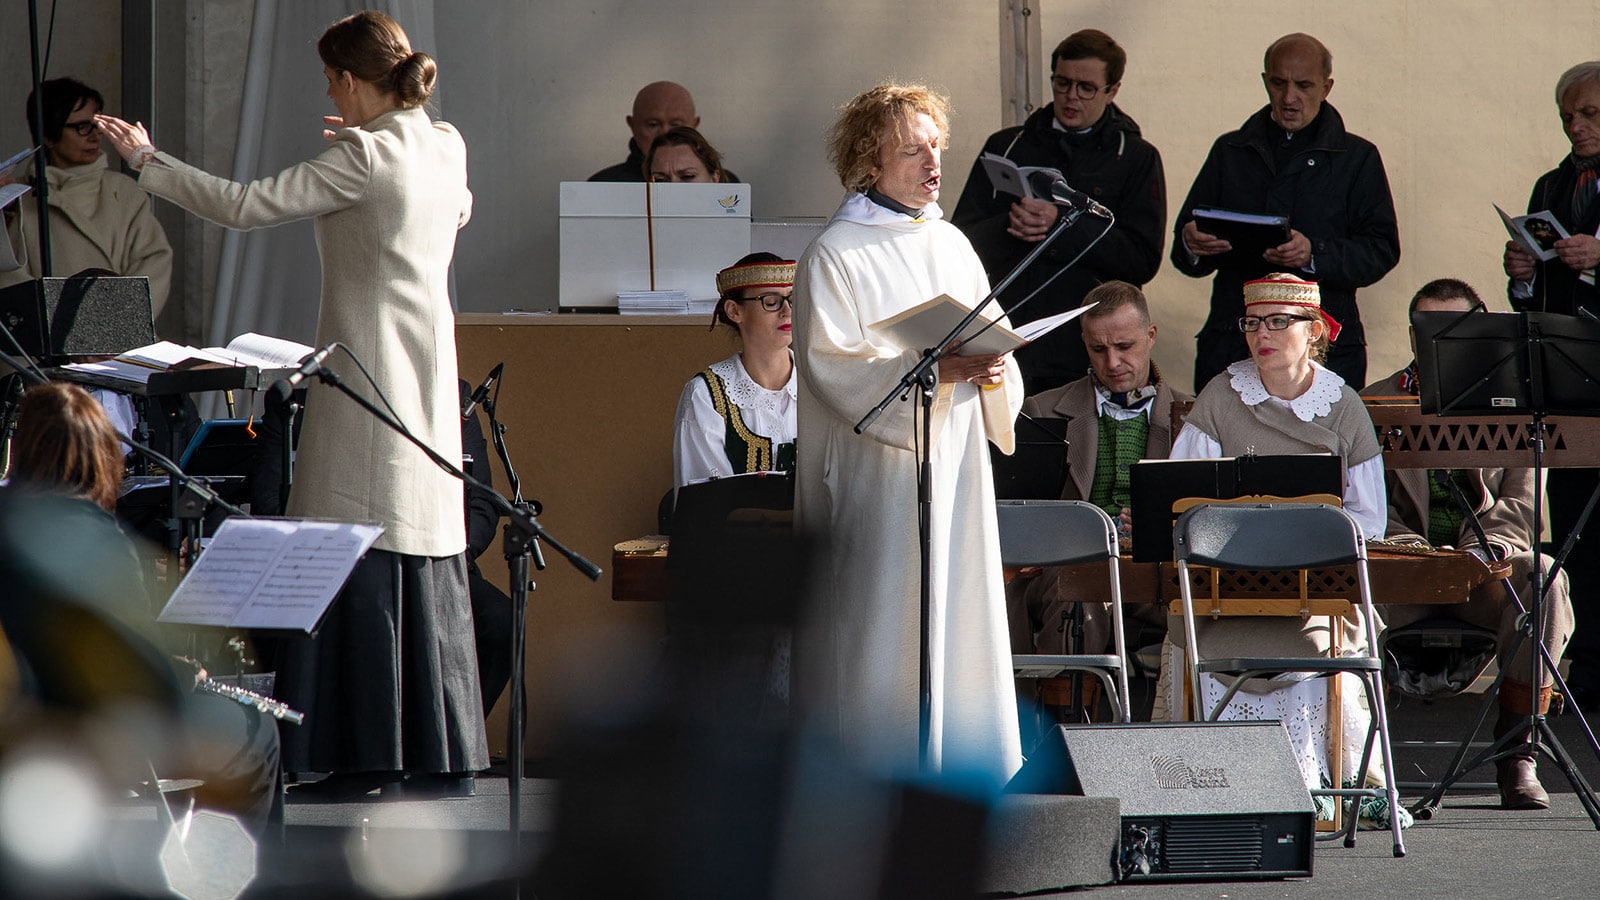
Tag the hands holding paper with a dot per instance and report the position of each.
(1201, 243)
(1518, 263)
(1294, 253)
(984, 369)
(1581, 251)
(1031, 219)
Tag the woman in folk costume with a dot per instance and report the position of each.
(390, 684)
(1281, 400)
(738, 415)
(886, 250)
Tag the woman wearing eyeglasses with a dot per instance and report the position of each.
(99, 218)
(1282, 400)
(738, 415)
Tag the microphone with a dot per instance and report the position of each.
(482, 393)
(1054, 188)
(285, 387)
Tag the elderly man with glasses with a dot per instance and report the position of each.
(1292, 158)
(1099, 150)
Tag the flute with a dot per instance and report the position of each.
(274, 708)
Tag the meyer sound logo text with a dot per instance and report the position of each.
(1175, 774)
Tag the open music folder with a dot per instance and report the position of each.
(270, 573)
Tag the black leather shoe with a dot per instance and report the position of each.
(449, 785)
(343, 787)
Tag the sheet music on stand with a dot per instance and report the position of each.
(270, 573)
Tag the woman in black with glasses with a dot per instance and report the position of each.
(738, 415)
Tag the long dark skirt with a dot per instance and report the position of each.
(388, 687)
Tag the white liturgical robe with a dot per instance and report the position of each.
(858, 652)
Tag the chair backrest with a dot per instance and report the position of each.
(1267, 536)
(1054, 532)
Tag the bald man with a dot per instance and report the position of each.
(657, 107)
(1292, 158)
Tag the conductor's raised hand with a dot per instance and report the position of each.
(988, 368)
(124, 138)
(333, 123)
(1201, 243)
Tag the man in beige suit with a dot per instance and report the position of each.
(1117, 414)
(1421, 509)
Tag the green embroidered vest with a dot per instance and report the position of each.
(1122, 443)
(747, 451)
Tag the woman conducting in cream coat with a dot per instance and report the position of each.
(389, 685)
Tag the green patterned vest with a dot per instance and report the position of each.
(747, 451)
(1122, 443)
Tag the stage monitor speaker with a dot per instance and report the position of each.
(1200, 800)
(84, 315)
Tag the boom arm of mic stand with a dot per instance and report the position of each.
(922, 372)
(519, 516)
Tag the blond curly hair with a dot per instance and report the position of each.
(875, 118)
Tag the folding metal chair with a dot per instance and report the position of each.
(1285, 536)
(1060, 533)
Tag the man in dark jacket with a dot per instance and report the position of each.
(1099, 150)
(1292, 158)
(1566, 284)
(657, 107)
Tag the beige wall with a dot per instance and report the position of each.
(1457, 95)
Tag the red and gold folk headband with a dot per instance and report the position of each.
(1280, 289)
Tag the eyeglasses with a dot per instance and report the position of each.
(1084, 90)
(771, 302)
(84, 128)
(1250, 324)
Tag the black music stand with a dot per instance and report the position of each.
(1537, 364)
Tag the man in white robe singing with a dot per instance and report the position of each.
(887, 249)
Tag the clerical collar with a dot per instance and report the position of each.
(1056, 123)
(892, 205)
(1136, 399)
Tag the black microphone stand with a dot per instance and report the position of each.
(519, 545)
(923, 378)
(521, 535)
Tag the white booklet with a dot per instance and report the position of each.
(924, 325)
(269, 573)
(1537, 233)
(1010, 178)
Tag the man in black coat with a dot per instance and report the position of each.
(1099, 150)
(1566, 284)
(1293, 158)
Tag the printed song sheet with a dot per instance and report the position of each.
(269, 573)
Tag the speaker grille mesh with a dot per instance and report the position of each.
(1213, 843)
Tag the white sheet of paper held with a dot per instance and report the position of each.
(269, 573)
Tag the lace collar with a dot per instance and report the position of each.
(1318, 400)
(745, 393)
(862, 211)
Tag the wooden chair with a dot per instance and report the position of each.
(1065, 532)
(1277, 537)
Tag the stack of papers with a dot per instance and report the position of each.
(653, 303)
